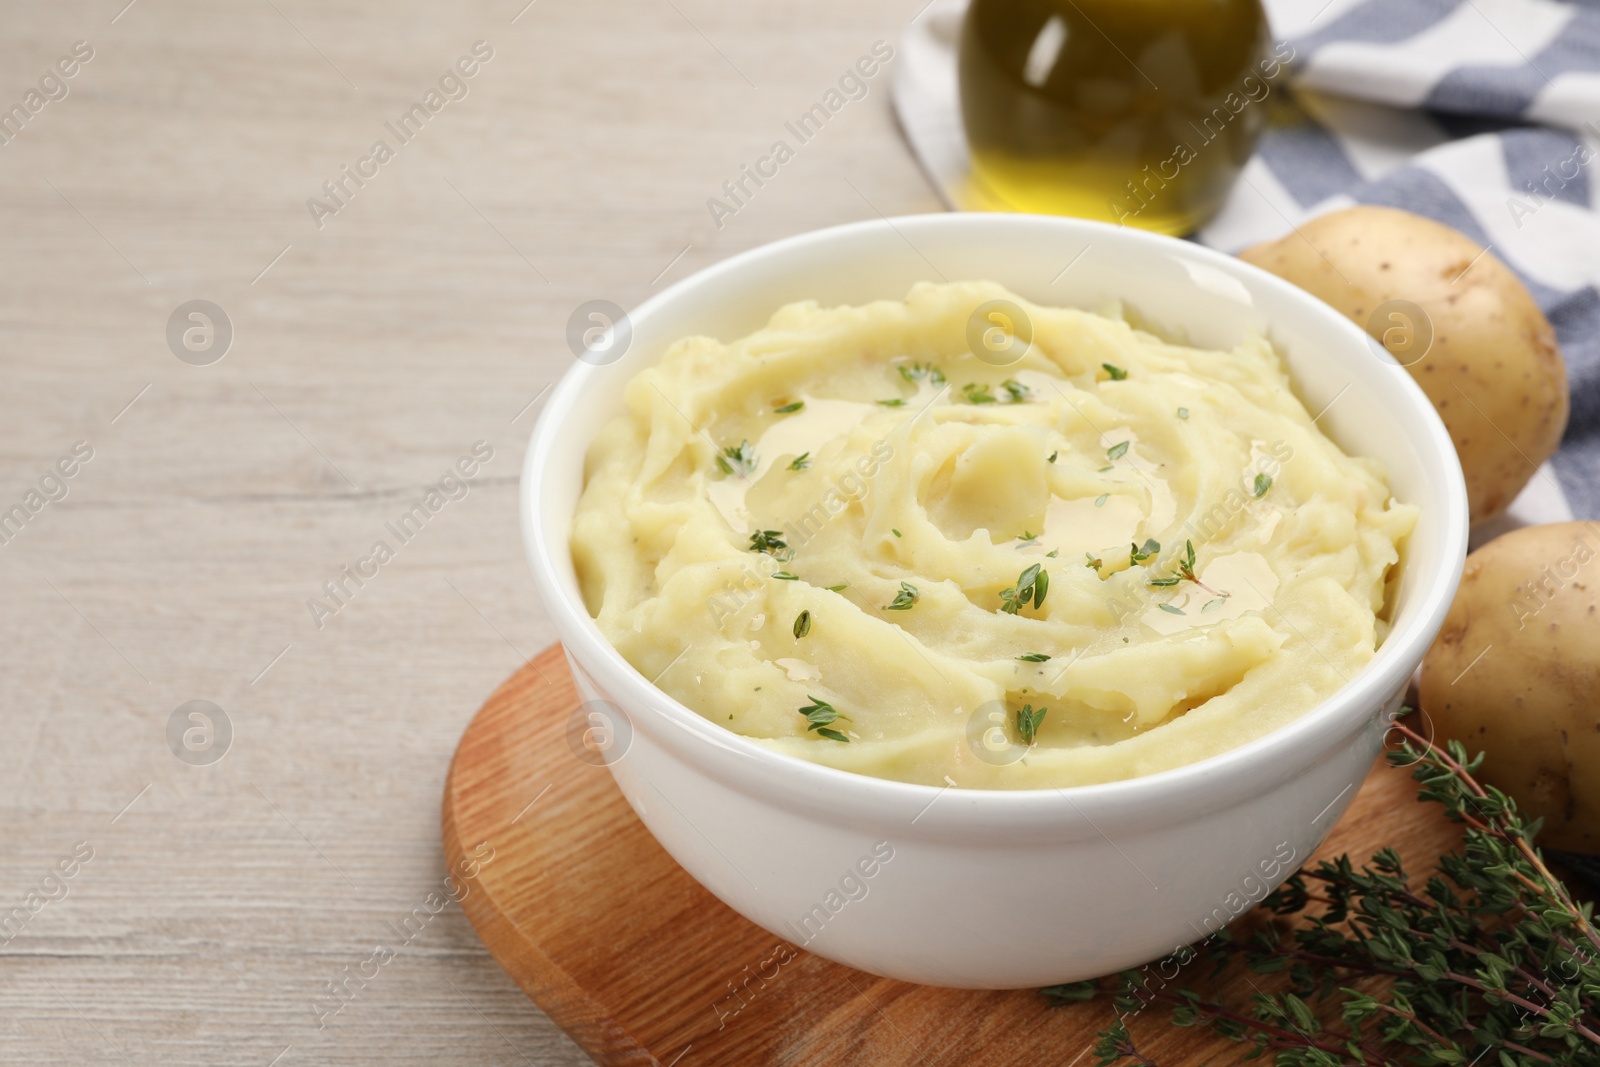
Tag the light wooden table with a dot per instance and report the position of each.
(367, 356)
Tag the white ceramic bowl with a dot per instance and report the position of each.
(1024, 888)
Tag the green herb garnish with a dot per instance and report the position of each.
(789, 409)
(1032, 584)
(1117, 451)
(802, 624)
(977, 393)
(800, 462)
(768, 541)
(1052, 457)
(1100, 500)
(785, 576)
(1490, 960)
(1186, 570)
(837, 588)
(1117, 373)
(737, 459)
(918, 371)
(1171, 610)
(1263, 483)
(1033, 657)
(896, 402)
(820, 716)
(1138, 554)
(1028, 722)
(1183, 413)
(1017, 392)
(905, 599)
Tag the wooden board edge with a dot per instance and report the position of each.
(578, 1015)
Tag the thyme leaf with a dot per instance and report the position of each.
(1138, 554)
(916, 372)
(768, 541)
(905, 599)
(977, 393)
(820, 716)
(1028, 722)
(1032, 584)
(737, 459)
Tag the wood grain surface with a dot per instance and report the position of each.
(367, 357)
(643, 967)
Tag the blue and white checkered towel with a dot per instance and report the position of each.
(1482, 114)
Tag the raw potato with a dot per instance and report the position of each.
(1493, 371)
(1532, 702)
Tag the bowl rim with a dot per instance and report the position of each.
(1217, 781)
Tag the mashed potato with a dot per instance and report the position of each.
(852, 539)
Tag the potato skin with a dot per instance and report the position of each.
(1532, 702)
(1494, 371)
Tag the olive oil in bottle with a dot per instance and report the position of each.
(1134, 111)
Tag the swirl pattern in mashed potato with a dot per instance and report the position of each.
(848, 537)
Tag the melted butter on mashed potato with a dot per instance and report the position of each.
(944, 496)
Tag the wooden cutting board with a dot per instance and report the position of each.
(633, 959)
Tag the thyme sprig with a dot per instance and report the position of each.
(1028, 721)
(977, 393)
(1032, 584)
(905, 599)
(916, 372)
(820, 716)
(768, 541)
(1013, 392)
(1489, 961)
(738, 459)
(1186, 573)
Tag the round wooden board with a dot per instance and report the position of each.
(642, 966)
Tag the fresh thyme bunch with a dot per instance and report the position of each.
(1490, 963)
